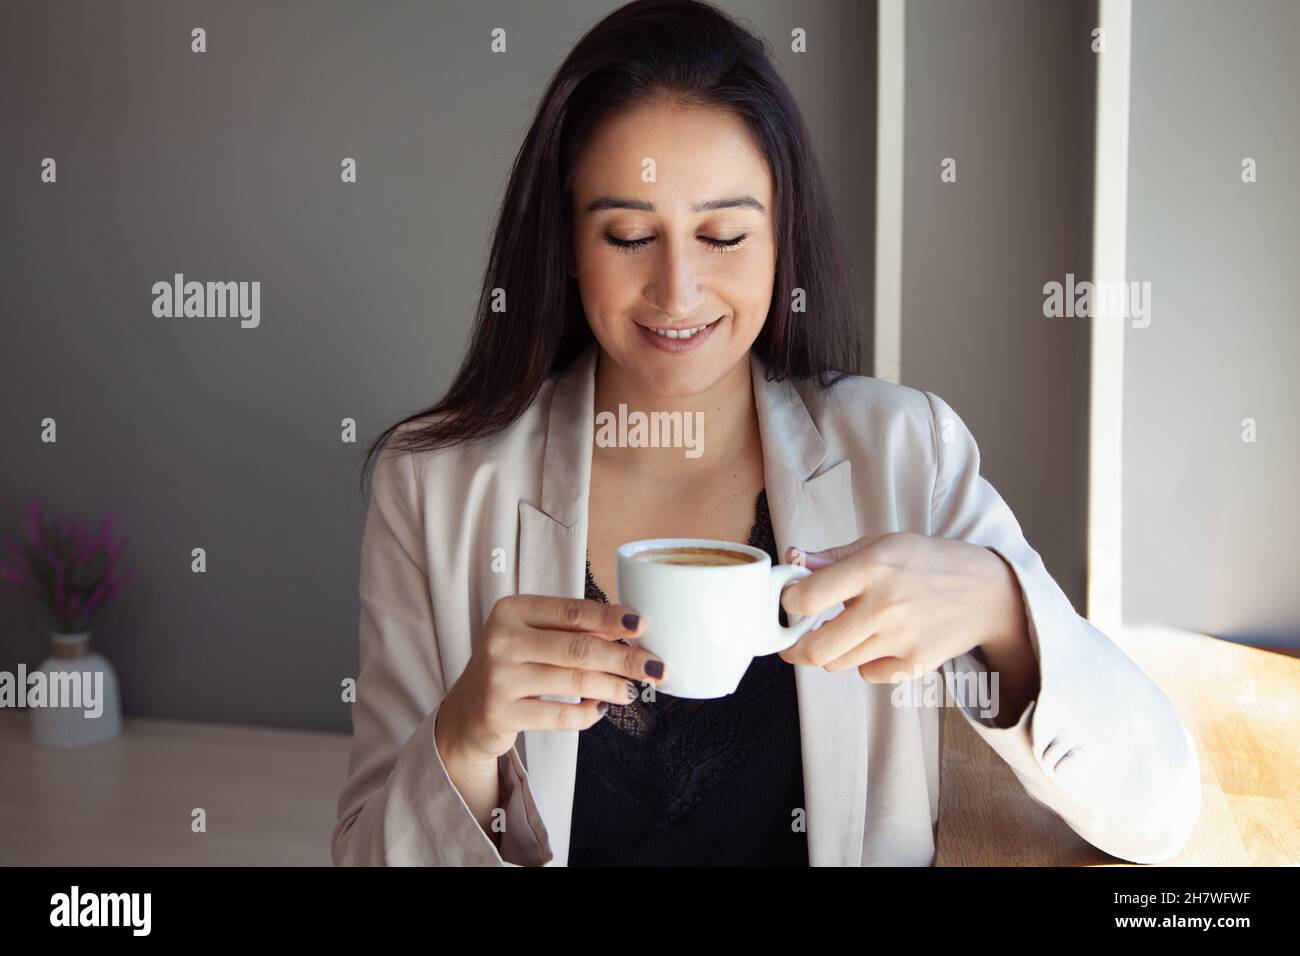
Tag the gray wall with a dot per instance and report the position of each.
(1211, 524)
(225, 166)
(1005, 87)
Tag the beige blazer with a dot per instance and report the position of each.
(1101, 746)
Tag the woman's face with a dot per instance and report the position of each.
(692, 248)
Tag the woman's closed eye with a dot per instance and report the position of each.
(717, 245)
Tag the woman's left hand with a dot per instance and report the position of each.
(911, 602)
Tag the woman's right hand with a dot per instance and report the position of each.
(533, 645)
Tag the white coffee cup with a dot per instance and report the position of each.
(708, 622)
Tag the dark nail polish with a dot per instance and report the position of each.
(602, 706)
(632, 692)
(654, 668)
(630, 621)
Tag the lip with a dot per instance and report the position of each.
(678, 346)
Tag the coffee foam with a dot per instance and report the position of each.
(696, 556)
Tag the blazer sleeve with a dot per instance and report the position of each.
(398, 806)
(1101, 745)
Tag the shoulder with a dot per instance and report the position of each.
(895, 426)
(861, 402)
(510, 449)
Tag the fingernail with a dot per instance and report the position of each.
(630, 621)
(602, 706)
(654, 668)
(631, 691)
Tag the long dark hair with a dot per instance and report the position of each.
(702, 57)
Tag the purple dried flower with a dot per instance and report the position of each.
(105, 592)
(69, 568)
(102, 591)
(58, 582)
(79, 545)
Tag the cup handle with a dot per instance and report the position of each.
(783, 575)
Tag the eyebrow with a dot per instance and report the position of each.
(730, 202)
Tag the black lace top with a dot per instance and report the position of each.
(667, 781)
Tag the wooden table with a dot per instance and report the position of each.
(270, 794)
(1242, 707)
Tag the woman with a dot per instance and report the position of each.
(666, 244)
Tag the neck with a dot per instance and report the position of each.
(725, 410)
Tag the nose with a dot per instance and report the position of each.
(675, 289)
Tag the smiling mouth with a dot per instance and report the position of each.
(681, 333)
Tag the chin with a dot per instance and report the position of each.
(679, 385)
(671, 378)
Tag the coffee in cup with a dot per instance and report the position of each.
(709, 608)
(695, 556)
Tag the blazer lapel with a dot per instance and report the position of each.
(552, 550)
(815, 511)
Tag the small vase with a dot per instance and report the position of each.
(79, 721)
